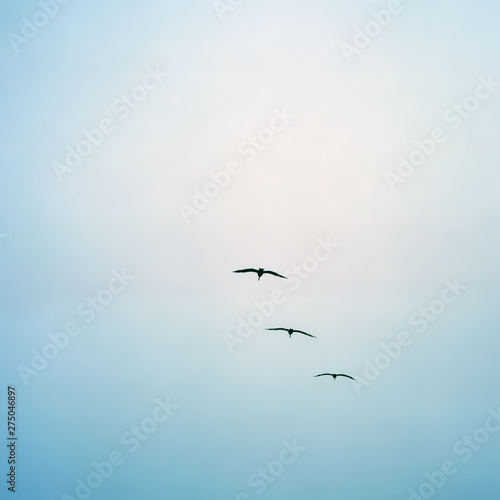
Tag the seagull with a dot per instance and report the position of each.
(335, 375)
(291, 330)
(259, 272)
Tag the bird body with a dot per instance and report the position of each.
(260, 271)
(335, 375)
(291, 330)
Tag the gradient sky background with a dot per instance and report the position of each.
(322, 177)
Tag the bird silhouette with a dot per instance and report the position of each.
(334, 375)
(259, 272)
(291, 330)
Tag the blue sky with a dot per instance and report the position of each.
(322, 177)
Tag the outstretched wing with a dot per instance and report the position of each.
(274, 274)
(284, 329)
(249, 270)
(322, 374)
(304, 333)
(347, 376)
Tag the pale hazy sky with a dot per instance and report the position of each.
(322, 175)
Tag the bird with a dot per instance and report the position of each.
(291, 330)
(335, 375)
(259, 272)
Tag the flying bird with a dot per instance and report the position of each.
(259, 272)
(334, 375)
(291, 330)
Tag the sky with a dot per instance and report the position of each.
(148, 150)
